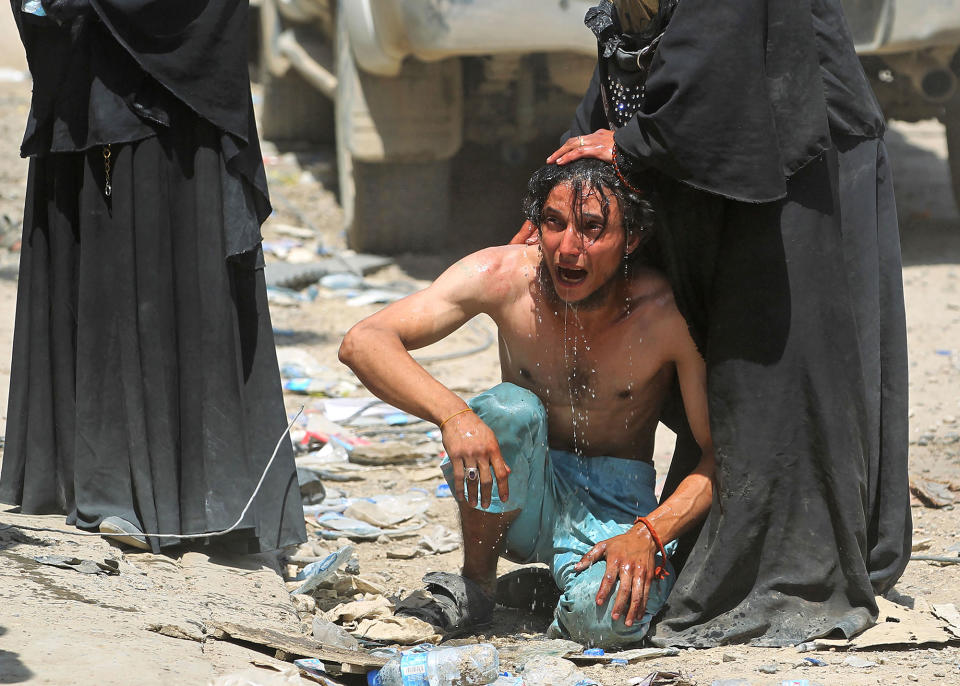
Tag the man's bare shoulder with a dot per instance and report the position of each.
(650, 290)
(506, 265)
(653, 303)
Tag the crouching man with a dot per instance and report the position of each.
(554, 465)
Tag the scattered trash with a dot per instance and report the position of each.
(372, 619)
(297, 276)
(331, 634)
(443, 491)
(931, 493)
(438, 540)
(317, 572)
(294, 231)
(387, 511)
(555, 647)
(297, 645)
(260, 677)
(859, 662)
(921, 544)
(357, 411)
(376, 296)
(185, 630)
(663, 679)
(311, 486)
(816, 662)
(288, 297)
(469, 665)
(280, 248)
(333, 526)
(590, 656)
(948, 613)
(343, 282)
(108, 567)
(896, 625)
(768, 669)
(331, 388)
(316, 669)
(393, 453)
(556, 671)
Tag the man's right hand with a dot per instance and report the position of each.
(471, 443)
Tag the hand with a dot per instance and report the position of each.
(527, 235)
(471, 443)
(598, 144)
(631, 557)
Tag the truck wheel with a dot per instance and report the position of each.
(395, 139)
(399, 208)
(293, 110)
(952, 124)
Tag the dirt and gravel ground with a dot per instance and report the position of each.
(58, 626)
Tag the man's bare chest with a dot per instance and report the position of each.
(575, 368)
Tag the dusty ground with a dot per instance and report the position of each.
(58, 626)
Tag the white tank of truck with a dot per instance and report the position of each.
(400, 85)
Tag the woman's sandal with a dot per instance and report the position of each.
(455, 605)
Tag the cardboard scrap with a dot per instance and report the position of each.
(631, 656)
(372, 618)
(295, 645)
(896, 625)
(931, 493)
(948, 613)
(395, 629)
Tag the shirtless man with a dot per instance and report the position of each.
(555, 464)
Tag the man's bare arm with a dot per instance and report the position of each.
(377, 348)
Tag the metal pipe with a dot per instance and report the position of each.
(304, 62)
(939, 84)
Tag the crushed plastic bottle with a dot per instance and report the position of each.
(33, 7)
(470, 665)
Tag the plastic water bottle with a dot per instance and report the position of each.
(472, 665)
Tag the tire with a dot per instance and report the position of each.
(293, 110)
(400, 208)
(389, 207)
(951, 123)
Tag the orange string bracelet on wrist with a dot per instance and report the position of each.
(660, 572)
(466, 409)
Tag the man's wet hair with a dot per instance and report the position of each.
(585, 176)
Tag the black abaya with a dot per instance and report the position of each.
(778, 231)
(144, 382)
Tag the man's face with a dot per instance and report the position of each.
(583, 251)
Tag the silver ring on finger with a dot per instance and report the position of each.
(473, 474)
(580, 138)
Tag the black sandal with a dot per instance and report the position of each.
(529, 588)
(458, 605)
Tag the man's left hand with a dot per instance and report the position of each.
(598, 144)
(631, 558)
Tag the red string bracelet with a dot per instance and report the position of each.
(661, 571)
(616, 168)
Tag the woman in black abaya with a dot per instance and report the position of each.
(755, 127)
(144, 391)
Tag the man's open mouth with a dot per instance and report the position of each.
(571, 276)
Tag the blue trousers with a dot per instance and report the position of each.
(567, 505)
